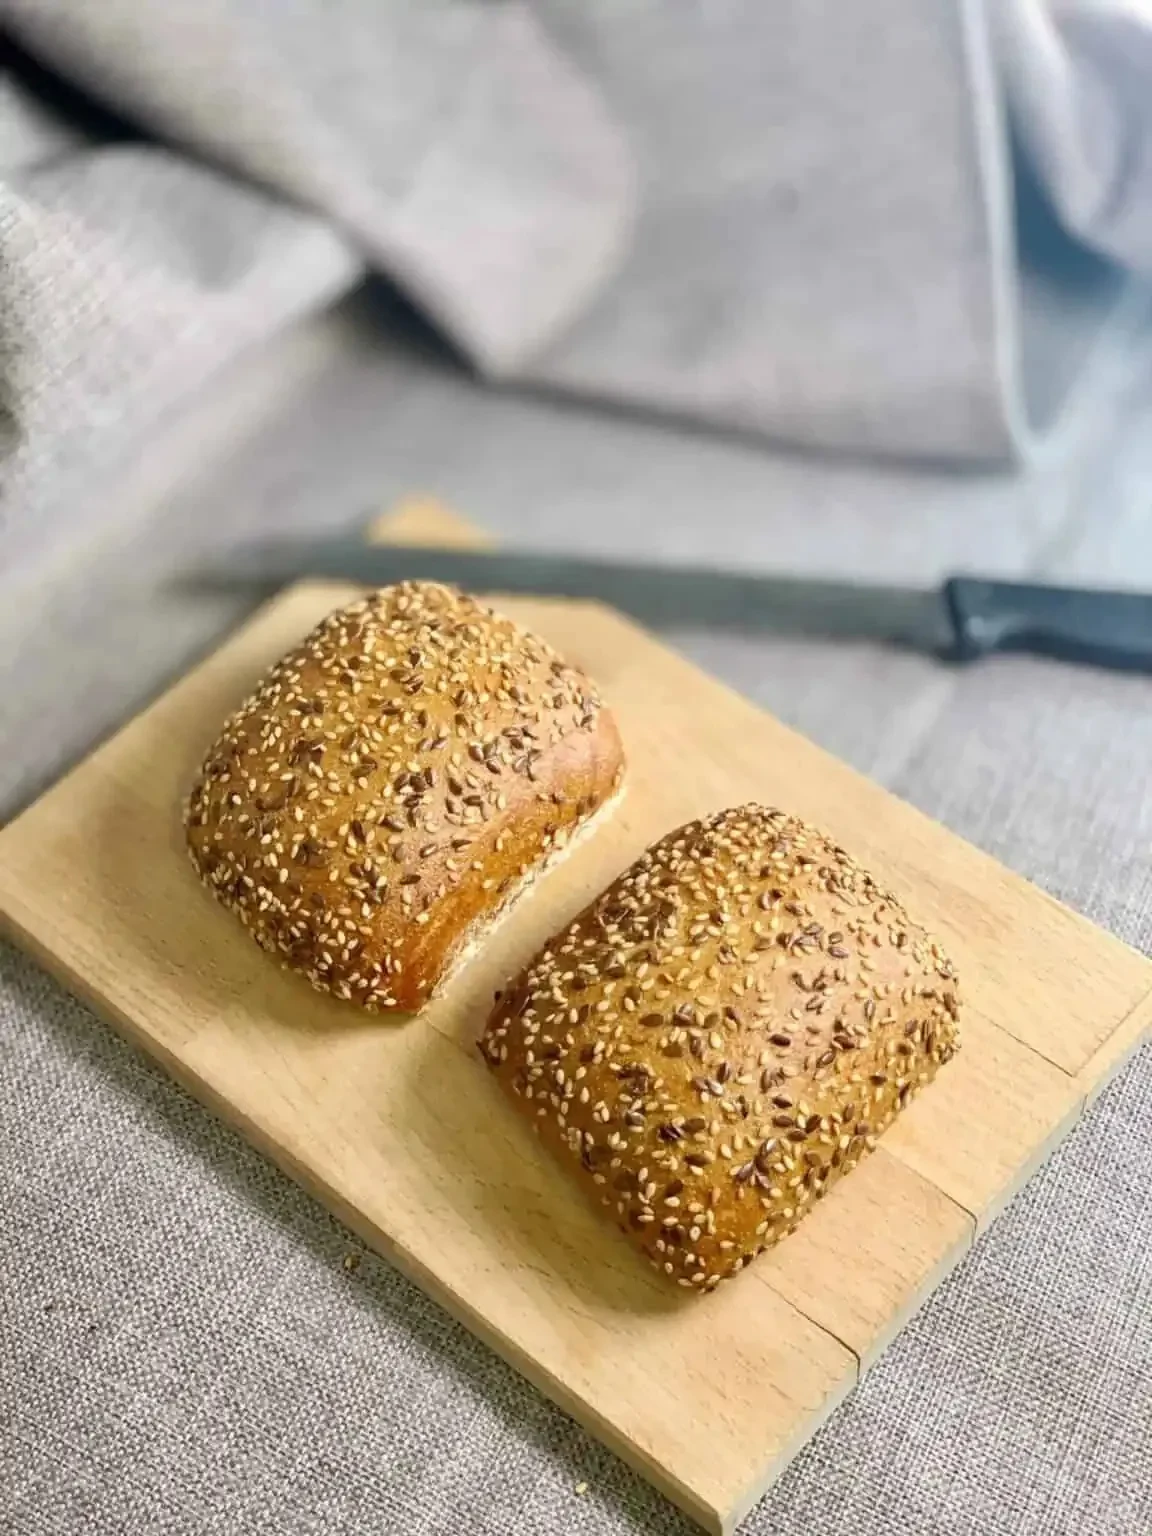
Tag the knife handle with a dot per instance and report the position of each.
(1110, 629)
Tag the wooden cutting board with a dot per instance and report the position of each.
(398, 1128)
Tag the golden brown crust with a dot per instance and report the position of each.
(391, 782)
(723, 1033)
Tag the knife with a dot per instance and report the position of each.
(966, 617)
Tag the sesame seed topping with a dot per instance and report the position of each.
(382, 741)
(721, 1068)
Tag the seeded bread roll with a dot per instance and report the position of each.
(722, 1034)
(391, 782)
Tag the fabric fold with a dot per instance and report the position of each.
(1078, 76)
(454, 145)
(130, 275)
(801, 223)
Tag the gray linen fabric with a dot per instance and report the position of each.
(130, 276)
(457, 146)
(1077, 75)
(793, 220)
(822, 253)
(182, 1350)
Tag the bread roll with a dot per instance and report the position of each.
(391, 782)
(723, 1034)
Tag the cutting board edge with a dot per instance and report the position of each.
(716, 1513)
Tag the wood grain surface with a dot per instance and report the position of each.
(398, 1128)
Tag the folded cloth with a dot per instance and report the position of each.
(1078, 75)
(798, 220)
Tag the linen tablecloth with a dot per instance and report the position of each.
(806, 221)
(190, 1346)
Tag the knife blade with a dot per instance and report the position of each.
(964, 618)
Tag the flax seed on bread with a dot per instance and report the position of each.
(390, 785)
(723, 1034)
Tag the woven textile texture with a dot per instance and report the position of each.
(800, 221)
(182, 1350)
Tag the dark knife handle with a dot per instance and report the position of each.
(1109, 629)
